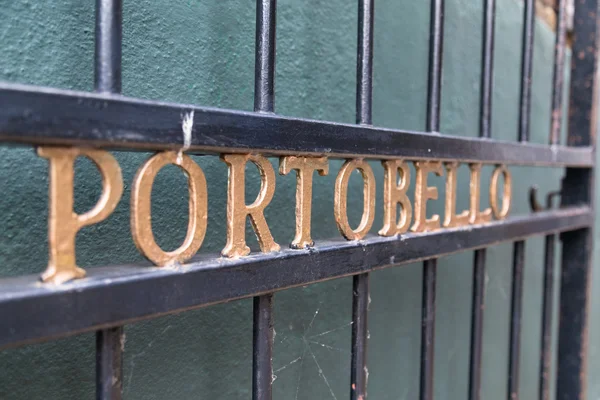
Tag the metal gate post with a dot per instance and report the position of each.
(578, 188)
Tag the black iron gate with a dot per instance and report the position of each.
(112, 296)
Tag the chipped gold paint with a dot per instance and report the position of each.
(501, 213)
(451, 219)
(394, 194)
(423, 193)
(237, 210)
(141, 219)
(63, 222)
(304, 167)
(340, 201)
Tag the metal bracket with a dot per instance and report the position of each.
(535, 204)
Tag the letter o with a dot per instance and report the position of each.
(341, 194)
(141, 219)
(506, 192)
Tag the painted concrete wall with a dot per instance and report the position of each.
(201, 52)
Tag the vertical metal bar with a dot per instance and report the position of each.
(526, 70)
(478, 296)
(559, 73)
(487, 75)
(519, 246)
(360, 306)
(478, 304)
(550, 241)
(109, 342)
(264, 101)
(364, 62)
(546, 351)
(436, 50)
(360, 284)
(428, 329)
(578, 188)
(262, 355)
(109, 363)
(434, 93)
(108, 46)
(264, 65)
(515, 319)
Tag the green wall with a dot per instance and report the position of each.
(201, 52)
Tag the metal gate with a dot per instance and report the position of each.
(110, 297)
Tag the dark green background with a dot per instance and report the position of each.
(201, 52)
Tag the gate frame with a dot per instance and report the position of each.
(42, 116)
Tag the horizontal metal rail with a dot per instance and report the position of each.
(34, 115)
(110, 296)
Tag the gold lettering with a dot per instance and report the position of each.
(451, 219)
(506, 192)
(63, 222)
(340, 202)
(398, 209)
(424, 193)
(394, 193)
(141, 219)
(304, 166)
(475, 215)
(237, 210)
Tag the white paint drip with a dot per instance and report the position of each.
(187, 123)
(554, 150)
